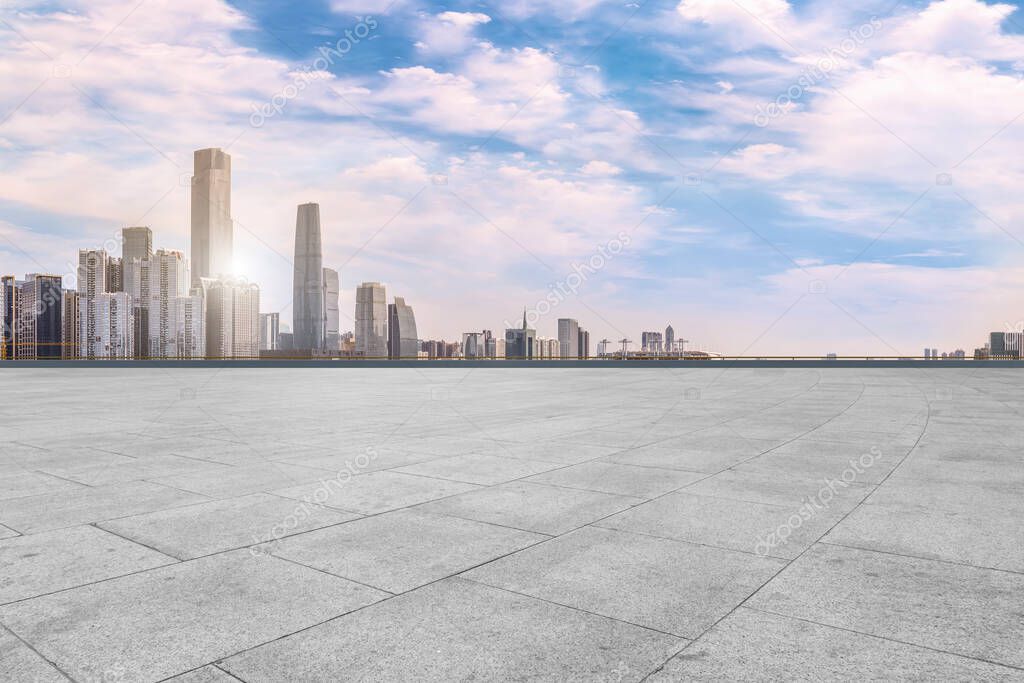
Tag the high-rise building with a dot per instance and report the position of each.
(136, 243)
(115, 274)
(107, 326)
(670, 339)
(308, 284)
(8, 311)
(190, 326)
(519, 343)
(168, 285)
(331, 314)
(402, 339)
(1013, 343)
(371, 321)
(212, 231)
(546, 349)
(92, 282)
(474, 345)
(584, 344)
(69, 316)
(270, 330)
(136, 275)
(568, 338)
(997, 344)
(651, 342)
(232, 318)
(39, 327)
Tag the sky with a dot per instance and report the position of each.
(768, 177)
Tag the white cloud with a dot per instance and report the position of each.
(450, 32)
(600, 168)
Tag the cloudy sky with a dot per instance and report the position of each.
(769, 177)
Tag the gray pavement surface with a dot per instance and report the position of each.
(612, 524)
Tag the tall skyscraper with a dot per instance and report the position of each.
(115, 274)
(371, 321)
(190, 325)
(212, 231)
(270, 330)
(568, 338)
(584, 344)
(232, 318)
(650, 342)
(402, 340)
(136, 243)
(670, 339)
(520, 343)
(474, 345)
(331, 315)
(308, 284)
(997, 344)
(39, 327)
(8, 310)
(69, 320)
(92, 283)
(110, 333)
(168, 284)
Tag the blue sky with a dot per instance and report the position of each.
(782, 177)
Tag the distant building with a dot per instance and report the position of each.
(474, 345)
(546, 349)
(212, 230)
(651, 342)
(32, 317)
(92, 283)
(670, 339)
(232, 318)
(1013, 345)
(308, 306)
(519, 343)
(568, 338)
(70, 322)
(8, 313)
(107, 326)
(402, 339)
(115, 274)
(190, 326)
(997, 344)
(331, 283)
(371, 321)
(136, 243)
(270, 329)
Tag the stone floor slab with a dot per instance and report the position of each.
(460, 630)
(376, 492)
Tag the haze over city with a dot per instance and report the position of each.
(789, 176)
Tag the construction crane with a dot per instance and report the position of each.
(682, 344)
(625, 346)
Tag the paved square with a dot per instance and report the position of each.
(720, 523)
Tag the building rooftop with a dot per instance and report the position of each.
(562, 524)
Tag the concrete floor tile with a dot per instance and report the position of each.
(533, 507)
(686, 588)
(750, 645)
(477, 468)
(166, 621)
(221, 525)
(962, 610)
(376, 491)
(625, 480)
(460, 630)
(56, 560)
(401, 550)
(58, 510)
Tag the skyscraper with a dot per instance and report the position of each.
(402, 339)
(520, 343)
(331, 315)
(112, 327)
(8, 309)
(92, 283)
(232, 318)
(136, 243)
(70, 321)
(568, 338)
(270, 329)
(584, 345)
(371, 321)
(670, 339)
(308, 283)
(997, 344)
(168, 283)
(39, 327)
(212, 232)
(190, 325)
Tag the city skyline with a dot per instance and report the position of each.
(865, 214)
